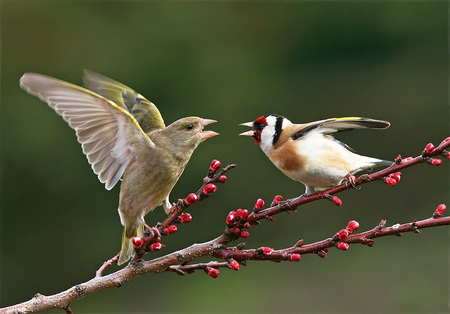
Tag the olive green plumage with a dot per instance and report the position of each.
(124, 137)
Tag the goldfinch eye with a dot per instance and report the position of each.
(189, 127)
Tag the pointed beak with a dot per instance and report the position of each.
(248, 133)
(207, 134)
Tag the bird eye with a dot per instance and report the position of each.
(189, 127)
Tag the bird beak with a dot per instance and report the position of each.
(248, 133)
(207, 134)
(249, 124)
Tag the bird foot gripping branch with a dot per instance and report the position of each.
(151, 241)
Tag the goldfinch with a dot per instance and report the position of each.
(308, 153)
(124, 137)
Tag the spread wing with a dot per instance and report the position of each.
(107, 132)
(143, 110)
(334, 125)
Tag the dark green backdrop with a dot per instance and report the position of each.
(230, 61)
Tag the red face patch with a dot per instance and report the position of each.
(261, 120)
(259, 125)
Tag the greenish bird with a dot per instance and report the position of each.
(124, 137)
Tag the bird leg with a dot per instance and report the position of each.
(349, 181)
(153, 232)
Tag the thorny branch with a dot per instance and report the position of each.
(233, 257)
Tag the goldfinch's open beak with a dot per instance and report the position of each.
(249, 124)
(207, 134)
(248, 133)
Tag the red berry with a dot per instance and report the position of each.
(277, 199)
(336, 201)
(171, 229)
(245, 234)
(429, 147)
(343, 234)
(266, 250)
(352, 226)
(209, 188)
(390, 181)
(295, 257)
(235, 265)
(215, 164)
(343, 246)
(439, 210)
(213, 272)
(137, 242)
(436, 162)
(191, 199)
(259, 204)
(156, 246)
(185, 218)
(222, 179)
(231, 218)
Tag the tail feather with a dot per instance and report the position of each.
(384, 163)
(127, 250)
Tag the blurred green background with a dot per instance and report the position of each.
(230, 61)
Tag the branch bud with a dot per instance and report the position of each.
(266, 250)
(185, 218)
(245, 234)
(215, 165)
(170, 229)
(439, 210)
(343, 234)
(429, 148)
(259, 204)
(213, 272)
(156, 246)
(397, 176)
(222, 179)
(137, 242)
(276, 200)
(352, 226)
(336, 201)
(343, 246)
(231, 218)
(191, 199)
(235, 265)
(209, 188)
(434, 162)
(389, 181)
(295, 257)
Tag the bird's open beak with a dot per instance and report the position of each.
(248, 133)
(207, 134)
